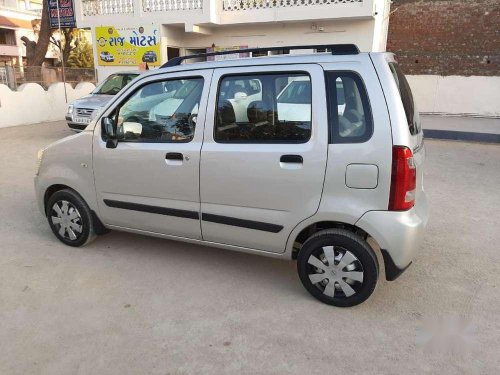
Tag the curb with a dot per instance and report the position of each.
(462, 136)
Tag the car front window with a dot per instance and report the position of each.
(162, 111)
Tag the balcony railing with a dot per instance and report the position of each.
(170, 5)
(228, 11)
(103, 7)
(229, 5)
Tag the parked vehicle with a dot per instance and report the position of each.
(83, 110)
(295, 101)
(106, 56)
(327, 154)
(149, 56)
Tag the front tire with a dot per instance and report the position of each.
(70, 218)
(338, 268)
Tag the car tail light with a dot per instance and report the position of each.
(403, 179)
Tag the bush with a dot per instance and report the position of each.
(82, 56)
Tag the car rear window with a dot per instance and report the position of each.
(349, 111)
(407, 98)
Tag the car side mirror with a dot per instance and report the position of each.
(131, 129)
(109, 129)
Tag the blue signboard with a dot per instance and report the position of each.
(66, 13)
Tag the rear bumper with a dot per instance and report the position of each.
(399, 234)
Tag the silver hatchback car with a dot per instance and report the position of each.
(83, 110)
(302, 157)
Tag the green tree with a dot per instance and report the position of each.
(81, 56)
(66, 43)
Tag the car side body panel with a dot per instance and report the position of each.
(339, 202)
(68, 162)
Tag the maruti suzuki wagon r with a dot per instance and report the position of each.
(300, 157)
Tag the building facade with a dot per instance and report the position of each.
(193, 26)
(16, 17)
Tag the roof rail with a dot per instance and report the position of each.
(335, 49)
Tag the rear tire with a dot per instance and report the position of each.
(338, 268)
(70, 218)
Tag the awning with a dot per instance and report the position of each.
(14, 23)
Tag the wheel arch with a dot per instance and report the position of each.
(51, 190)
(300, 236)
(391, 271)
(99, 227)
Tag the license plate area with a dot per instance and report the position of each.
(82, 120)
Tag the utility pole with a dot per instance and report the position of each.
(61, 49)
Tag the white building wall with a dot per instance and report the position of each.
(457, 95)
(381, 13)
(227, 23)
(359, 32)
(32, 104)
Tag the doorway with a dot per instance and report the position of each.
(172, 52)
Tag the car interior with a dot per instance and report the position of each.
(158, 124)
(261, 120)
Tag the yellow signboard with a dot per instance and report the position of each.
(128, 46)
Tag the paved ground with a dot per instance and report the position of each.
(136, 305)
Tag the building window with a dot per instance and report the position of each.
(7, 37)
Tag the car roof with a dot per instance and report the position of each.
(316, 58)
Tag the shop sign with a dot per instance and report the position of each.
(128, 45)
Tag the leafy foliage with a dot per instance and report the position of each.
(81, 56)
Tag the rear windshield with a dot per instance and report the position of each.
(411, 112)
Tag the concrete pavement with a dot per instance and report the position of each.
(129, 304)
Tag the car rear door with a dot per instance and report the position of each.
(260, 178)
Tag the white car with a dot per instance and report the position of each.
(83, 110)
(288, 157)
(293, 101)
(106, 56)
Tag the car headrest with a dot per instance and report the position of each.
(225, 112)
(350, 102)
(257, 112)
(353, 115)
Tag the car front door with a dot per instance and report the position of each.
(262, 170)
(150, 181)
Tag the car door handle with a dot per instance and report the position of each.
(296, 159)
(174, 156)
